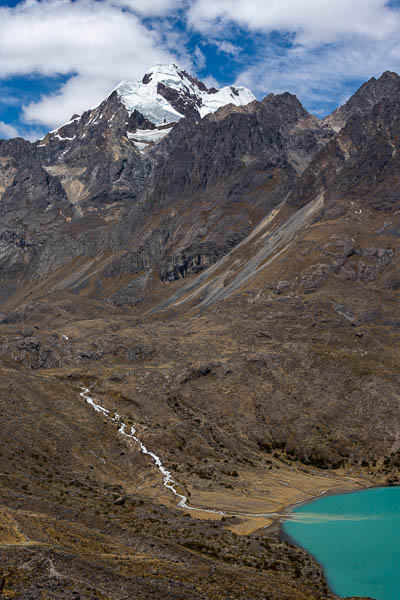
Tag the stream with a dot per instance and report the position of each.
(168, 481)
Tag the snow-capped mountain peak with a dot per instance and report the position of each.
(146, 110)
(167, 93)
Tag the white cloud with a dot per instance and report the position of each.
(325, 46)
(319, 76)
(227, 47)
(78, 94)
(98, 43)
(210, 82)
(311, 21)
(150, 7)
(199, 58)
(7, 131)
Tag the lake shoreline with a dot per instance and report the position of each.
(277, 528)
(331, 493)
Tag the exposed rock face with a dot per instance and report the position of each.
(360, 163)
(33, 206)
(369, 94)
(224, 174)
(99, 167)
(352, 179)
(276, 134)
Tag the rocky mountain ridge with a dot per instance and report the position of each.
(111, 188)
(370, 93)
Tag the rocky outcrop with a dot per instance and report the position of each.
(33, 205)
(369, 94)
(44, 351)
(359, 164)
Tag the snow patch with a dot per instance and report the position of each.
(60, 137)
(145, 99)
(142, 138)
(149, 135)
(140, 145)
(238, 96)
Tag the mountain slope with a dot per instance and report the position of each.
(351, 181)
(318, 283)
(231, 290)
(216, 179)
(64, 535)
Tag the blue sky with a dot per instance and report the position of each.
(59, 57)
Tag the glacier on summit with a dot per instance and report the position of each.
(149, 96)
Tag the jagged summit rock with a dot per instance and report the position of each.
(369, 94)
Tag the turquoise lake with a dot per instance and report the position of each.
(356, 538)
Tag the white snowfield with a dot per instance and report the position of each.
(141, 146)
(168, 481)
(144, 97)
(143, 138)
(149, 135)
